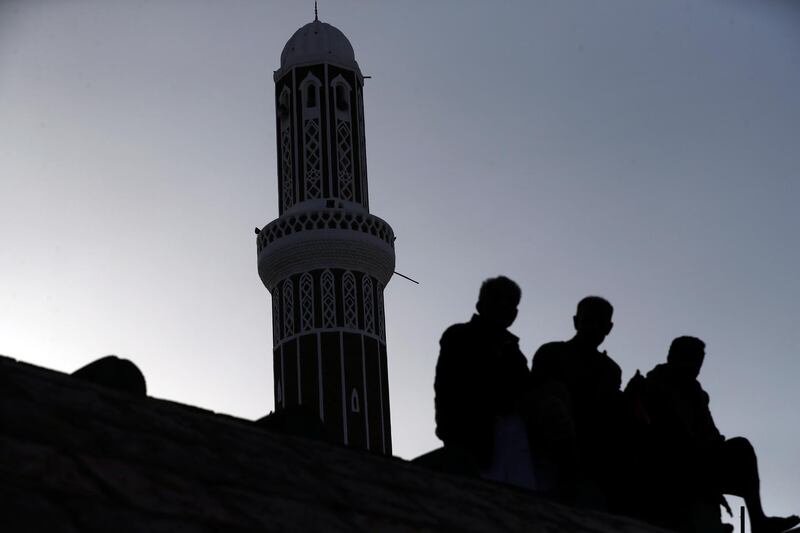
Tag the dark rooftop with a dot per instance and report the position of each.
(78, 457)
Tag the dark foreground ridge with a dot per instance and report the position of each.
(79, 457)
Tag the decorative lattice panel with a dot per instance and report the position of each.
(328, 300)
(344, 159)
(381, 318)
(306, 302)
(369, 306)
(286, 168)
(362, 155)
(313, 158)
(350, 304)
(276, 318)
(288, 308)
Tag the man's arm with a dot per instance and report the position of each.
(706, 421)
(615, 373)
(447, 384)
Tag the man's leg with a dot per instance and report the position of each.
(738, 475)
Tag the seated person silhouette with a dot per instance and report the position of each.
(576, 408)
(481, 377)
(694, 461)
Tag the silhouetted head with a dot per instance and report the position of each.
(592, 320)
(686, 355)
(111, 371)
(498, 301)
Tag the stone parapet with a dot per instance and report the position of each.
(327, 238)
(324, 219)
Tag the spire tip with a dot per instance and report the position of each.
(316, 16)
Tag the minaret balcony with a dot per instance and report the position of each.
(325, 238)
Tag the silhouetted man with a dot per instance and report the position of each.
(695, 459)
(481, 374)
(577, 405)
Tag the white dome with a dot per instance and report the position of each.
(318, 42)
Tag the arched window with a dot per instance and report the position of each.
(342, 97)
(355, 402)
(309, 89)
(311, 97)
(283, 105)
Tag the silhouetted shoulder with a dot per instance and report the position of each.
(454, 349)
(453, 343)
(547, 354)
(550, 349)
(455, 331)
(547, 363)
(658, 373)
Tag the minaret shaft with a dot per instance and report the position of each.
(320, 137)
(326, 259)
(330, 353)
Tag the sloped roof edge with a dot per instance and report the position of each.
(80, 457)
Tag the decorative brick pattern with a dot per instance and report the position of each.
(286, 168)
(288, 308)
(362, 151)
(369, 306)
(381, 318)
(276, 318)
(344, 158)
(306, 302)
(350, 304)
(313, 159)
(328, 300)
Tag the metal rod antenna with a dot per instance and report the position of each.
(741, 519)
(404, 276)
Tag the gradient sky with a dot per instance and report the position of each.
(644, 150)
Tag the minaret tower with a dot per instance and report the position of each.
(326, 259)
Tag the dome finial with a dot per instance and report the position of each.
(316, 16)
